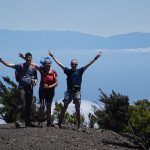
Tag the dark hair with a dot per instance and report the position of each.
(28, 54)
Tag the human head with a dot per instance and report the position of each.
(28, 54)
(47, 63)
(28, 57)
(74, 63)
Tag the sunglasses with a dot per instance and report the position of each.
(47, 65)
(74, 64)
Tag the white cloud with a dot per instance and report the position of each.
(138, 50)
(2, 121)
(86, 108)
(132, 50)
(1, 105)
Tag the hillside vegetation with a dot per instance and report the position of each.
(120, 124)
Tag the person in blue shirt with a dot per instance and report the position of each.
(47, 86)
(74, 80)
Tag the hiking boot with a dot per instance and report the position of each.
(31, 125)
(48, 123)
(18, 124)
(59, 124)
(53, 125)
(79, 129)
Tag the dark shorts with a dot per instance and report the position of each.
(46, 94)
(72, 95)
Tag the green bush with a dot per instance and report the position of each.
(8, 97)
(139, 122)
(114, 114)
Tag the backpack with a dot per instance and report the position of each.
(18, 73)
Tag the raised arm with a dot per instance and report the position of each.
(56, 60)
(21, 55)
(7, 64)
(36, 66)
(92, 61)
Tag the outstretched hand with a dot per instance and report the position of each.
(98, 54)
(21, 55)
(50, 53)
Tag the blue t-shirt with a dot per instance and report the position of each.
(74, 77)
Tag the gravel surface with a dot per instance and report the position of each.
(51, 138)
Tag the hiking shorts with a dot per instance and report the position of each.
(46, 94)
(72, 95)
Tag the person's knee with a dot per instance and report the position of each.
(65, 105)
(77, 103)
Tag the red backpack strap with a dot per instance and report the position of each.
(18, 72)
(21, 65)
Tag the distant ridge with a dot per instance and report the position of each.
(70, 40)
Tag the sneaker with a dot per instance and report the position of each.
(18, 124)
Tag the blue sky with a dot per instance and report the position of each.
(99, 17)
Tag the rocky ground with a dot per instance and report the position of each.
(51, 138)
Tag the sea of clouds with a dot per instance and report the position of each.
(86, 108)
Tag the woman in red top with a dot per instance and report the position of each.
(47, 85)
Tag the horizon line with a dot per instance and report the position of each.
(45, 30)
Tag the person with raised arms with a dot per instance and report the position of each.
(47, 86)
(74, 80)
(27, 78)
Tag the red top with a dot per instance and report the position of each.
(48, 78)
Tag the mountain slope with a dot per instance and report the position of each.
(61, 139)
(70, 40)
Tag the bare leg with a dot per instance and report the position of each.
(62, 113)
(77, 106)
(48, 111)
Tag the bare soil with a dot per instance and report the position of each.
(51, 138)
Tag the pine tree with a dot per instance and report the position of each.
(92, 119)
(114, 114)
(8, 98)
(139, 123)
